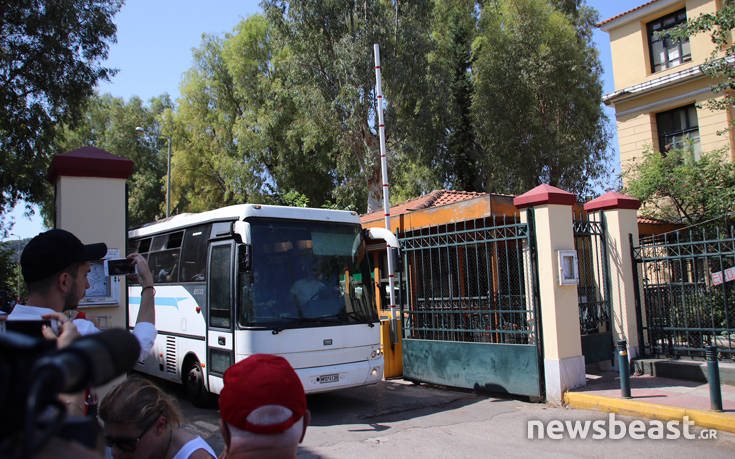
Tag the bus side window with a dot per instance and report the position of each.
(165, 263)
(142, 246)
(194, 254)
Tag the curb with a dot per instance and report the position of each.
(709, 419)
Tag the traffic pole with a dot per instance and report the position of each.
(386, 195)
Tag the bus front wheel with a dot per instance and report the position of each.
(194, 383)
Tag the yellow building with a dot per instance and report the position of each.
(659, 87)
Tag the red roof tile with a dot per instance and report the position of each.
(434, 199)
(601, 23)
(653, 221)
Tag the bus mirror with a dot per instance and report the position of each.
(244, 257)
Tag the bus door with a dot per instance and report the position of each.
(220, 298)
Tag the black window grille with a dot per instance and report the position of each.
(666, 52)
(678, 128)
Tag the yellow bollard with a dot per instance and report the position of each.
(392, 352)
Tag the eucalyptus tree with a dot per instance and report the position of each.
(536, 106)
(327, 59)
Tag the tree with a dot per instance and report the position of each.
(328, 55)
(50, 54)
(281, 133)
(677, 187)
(456, 156)
(536, 106)
(212, 165)
(110, 123)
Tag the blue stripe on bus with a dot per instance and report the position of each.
(160, 301)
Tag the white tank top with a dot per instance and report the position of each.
(193, 445)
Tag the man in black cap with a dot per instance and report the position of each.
(55, 265)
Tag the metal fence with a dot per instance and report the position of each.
(468, 282)
(688, 286)
(593, 287)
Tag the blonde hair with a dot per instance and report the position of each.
(137, 401)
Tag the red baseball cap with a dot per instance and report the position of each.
(260, 380)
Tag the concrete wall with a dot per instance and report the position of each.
(94, 210)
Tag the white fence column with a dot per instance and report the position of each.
(563, 359)
(621, 216)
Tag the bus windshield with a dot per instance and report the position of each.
(305, 274)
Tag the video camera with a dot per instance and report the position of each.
(32, 375)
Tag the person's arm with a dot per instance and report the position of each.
(147, 311)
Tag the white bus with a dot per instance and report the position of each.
(249, 279)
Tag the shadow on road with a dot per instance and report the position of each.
(385, 402)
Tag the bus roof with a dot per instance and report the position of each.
(243, 212)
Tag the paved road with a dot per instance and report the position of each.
(397, 418)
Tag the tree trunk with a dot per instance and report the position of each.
(375, 196)
(374, 174)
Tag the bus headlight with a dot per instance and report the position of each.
(375, 354)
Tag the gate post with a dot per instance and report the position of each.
(91, 202)
(621, 215)
(562, 348)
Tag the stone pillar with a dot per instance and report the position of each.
(621, 216)
(563, 360)
(91, 203)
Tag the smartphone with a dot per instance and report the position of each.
(31, 327)
(120, 267)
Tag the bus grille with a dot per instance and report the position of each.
(171, 354)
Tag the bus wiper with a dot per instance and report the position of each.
(359, 317)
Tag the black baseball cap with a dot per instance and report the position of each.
(52, 251)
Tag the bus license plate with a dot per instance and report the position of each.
(324, 379)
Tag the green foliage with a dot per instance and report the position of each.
(10, 251)
(110, 123)
(294, 199)
(327, 58)
(677, 187)
(537, 96)
(455, 155)
(283, 109)
(213, 164)
(50, 54)
(7, 267)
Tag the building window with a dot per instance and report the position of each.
(678, 128)
(665, 52)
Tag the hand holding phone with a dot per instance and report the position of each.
(120, 267)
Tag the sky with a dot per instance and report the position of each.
(154, 46)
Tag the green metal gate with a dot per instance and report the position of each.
(471, 316)
(688, 285)
(593, 288)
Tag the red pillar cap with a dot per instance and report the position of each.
(89, 162)
(544, 194)
(612, 200)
